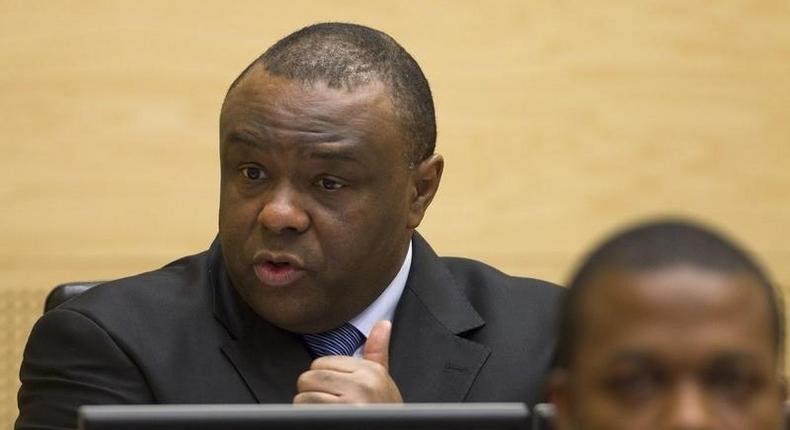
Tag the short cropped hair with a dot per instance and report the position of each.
(659, 245)
(349, 56)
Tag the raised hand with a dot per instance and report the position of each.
(341, 379)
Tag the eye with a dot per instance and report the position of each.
(635, 386)
(252, 173)
(735, 382)
(330, 184)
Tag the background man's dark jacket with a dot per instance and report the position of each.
(462, 332)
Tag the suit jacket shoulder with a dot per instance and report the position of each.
(150, 338)
(529, 304)
(465, 331)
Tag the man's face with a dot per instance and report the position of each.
(678, 348)
(317, 201)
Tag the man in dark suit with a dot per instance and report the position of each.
(327, 167)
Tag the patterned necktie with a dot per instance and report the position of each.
(343, 340)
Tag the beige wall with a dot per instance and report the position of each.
(558, 119)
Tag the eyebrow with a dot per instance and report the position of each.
(734, 357)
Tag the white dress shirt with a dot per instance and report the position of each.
(383, 308)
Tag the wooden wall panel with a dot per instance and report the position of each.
(559, 120)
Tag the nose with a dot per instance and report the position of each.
(690, 408)
(283, 212)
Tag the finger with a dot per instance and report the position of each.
(326, 381)
(316, 397)
(362, 387)
(377, 347)
(338, 363)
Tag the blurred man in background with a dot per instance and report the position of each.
(670, 326)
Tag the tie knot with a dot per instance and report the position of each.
(343, 340)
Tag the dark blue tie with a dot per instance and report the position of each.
(343, 340)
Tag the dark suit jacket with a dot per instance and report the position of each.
(462, 331)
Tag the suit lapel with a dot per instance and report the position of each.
(430, 360)
(267, 358)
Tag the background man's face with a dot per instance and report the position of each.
(678, 348)
(315, 194)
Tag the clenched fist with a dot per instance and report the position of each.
(341, 379)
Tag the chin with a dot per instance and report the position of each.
(289, 317)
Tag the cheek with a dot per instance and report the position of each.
(356, 236)
(763, 411)
(341, 233)
(237, 214)
(358, 217)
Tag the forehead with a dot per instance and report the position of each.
(680, 310)
(265, 103)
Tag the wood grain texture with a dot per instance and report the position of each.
(559, 121)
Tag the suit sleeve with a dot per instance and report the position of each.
(71, 361)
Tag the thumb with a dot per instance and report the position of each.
(377, 347)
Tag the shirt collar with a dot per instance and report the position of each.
(383, 308)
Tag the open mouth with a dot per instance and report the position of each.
(277, 273)
(275, 266)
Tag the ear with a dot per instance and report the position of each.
(559, 394)
(425, 182)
